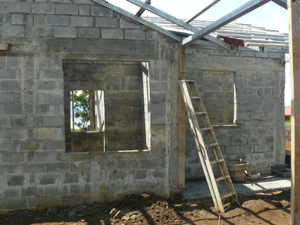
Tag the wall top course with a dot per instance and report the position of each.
(250, 54)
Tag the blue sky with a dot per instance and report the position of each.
(270, 15)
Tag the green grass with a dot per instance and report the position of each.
(76, 130)
(287, 122)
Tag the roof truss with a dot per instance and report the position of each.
(197, 33)
(179, 22)
(282, 3)
(138, 19)
(244, 9)
(141, 11)
(202, 11)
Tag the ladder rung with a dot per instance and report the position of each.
(227, 195)
(195, 98)
(189, 81)
(211, 145)
(207, 128)
(200, 113)
(222, 178)
(217, 161)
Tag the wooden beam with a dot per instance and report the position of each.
(92, 110)
(282, 3)
(138, 19)
(142, 10)
(294, 37)
(4, 46)
(179, 22)
(202, 11)
(244, 9)
(181, 122)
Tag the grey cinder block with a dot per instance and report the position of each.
(101, 11)
(106, 22)
(65, 32)
(135, 35)
(43, 8)
(112, 33)
(67, 9)
(81, 21)
(17, 19)
(15, 180)
(21, 7)
(88, 32)
(57, 20)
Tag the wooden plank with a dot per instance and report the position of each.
(249, 35)
(73, 112)
(181, 122)
(201, 150)
(214, 144)
(202, 11)
(269, 45)
(92, 110)
(4, 46)
(138, 19)
(294, 34)
(244, 9)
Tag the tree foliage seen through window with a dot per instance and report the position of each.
(82, 109)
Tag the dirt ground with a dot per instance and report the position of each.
(267, 208)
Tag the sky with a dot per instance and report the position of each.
(270, 16)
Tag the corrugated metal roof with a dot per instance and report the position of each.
(254, 36)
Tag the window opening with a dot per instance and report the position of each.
(87, 110)
(106, 106)
(219, 96)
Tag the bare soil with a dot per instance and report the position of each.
(267, 208)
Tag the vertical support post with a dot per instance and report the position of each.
(73, 116)
(92, 110)
(294, 42)
(181, 122)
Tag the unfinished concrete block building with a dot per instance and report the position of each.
(56, 47)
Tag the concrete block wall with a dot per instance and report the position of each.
(258, 135)
(66, 19)
(36, 170)
(91, 141)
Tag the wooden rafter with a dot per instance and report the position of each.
(244, 9)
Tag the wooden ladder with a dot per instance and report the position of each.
(191, 95)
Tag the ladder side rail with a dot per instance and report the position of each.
(205, 169)
(200, 104)
(224, 170)
(212, 139)
(200, 139)
(211, 135)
